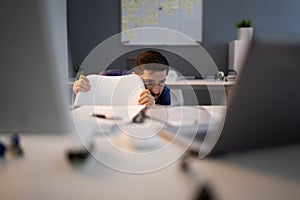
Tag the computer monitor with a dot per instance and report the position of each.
(33, 52)
(265, 108)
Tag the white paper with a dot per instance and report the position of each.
(180, 116)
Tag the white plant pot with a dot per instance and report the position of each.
(245, 33)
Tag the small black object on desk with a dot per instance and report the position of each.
(205, 190)
(79, 155)
(14, 147)
(2, 149)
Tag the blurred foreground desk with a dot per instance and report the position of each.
(45, 173)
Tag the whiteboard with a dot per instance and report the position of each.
(161, 22)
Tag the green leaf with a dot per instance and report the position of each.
(243, 23)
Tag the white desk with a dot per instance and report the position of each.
(200, 84)
(45, 173)
(189, 84)
(216, 86)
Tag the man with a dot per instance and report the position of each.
(152, 67)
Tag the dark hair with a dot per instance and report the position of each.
(150, 56)
(157, 60)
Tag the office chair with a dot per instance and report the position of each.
(111, 90)
(265, 107)
(176, 94)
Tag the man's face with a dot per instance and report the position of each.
(154, 81)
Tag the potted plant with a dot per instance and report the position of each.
(245, 29)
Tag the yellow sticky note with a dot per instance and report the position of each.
(169, 12)
(190, 11)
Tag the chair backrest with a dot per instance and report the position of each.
(111, 90)
(265, 107)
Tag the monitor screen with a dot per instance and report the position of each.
(264, 110)
(33, 58)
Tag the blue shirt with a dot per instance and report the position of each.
(163, 99)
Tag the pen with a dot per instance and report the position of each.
(105, 116)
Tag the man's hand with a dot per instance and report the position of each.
(146, 98)
(81, 85)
